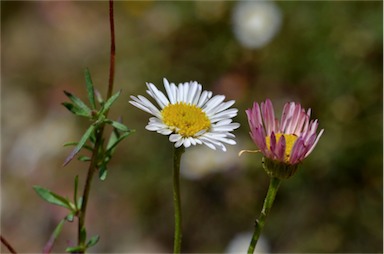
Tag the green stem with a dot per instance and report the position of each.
(99, 135)
(87, 187)
(268, 202)
(176, 198)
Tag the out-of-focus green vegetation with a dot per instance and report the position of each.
(327, 55)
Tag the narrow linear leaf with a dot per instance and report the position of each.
(49, 245)
(76, 185)
(93, 241)
(103, 172)
(84, 158)
(76, 249)
(115, 141)
(81, 143)
(90, 89)
(75, 110)
(70, 217)
(109, 102)
(75, 144)
(119, 126)
(78, 103)
(52, 197)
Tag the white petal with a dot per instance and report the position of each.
(179, 142)
(192, 140)
(203, 99)
(157, 95)
(223, 106)
(223, 122)
(229, 113)
(174, 137)
(169, 91)
(213, 103)
(180, 93)
(210, 145)
(192, 91)
(144, 102)
(165, 131)
(197, 94)
(187, 143)
(228, 127)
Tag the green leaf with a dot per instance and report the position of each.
(103, 172)
(78, 103)
(53, 198)
(109, 103)
(93, 241)
(70, 217)
(76, 249)
(119, 126)
(75, 144)
(81, 143)
(75, 110)
(79, 202)
(90, 89)
(75, 191)
(49, 245)
(84, 158)
(113, 141)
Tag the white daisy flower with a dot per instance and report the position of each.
(189, 115)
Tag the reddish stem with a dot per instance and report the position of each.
(8, 245)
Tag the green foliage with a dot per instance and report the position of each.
(93, 241)
(54, 198)
(99, 119)
(78, 107)
(83, 237)
(89, 141)
(90, 89)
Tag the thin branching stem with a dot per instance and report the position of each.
(99, 134)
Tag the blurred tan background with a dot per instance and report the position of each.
(326, 55)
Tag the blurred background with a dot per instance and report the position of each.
(326, 55)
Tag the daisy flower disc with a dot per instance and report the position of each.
(189, 115)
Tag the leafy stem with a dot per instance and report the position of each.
(99, 136)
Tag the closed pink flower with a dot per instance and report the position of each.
(284, 143)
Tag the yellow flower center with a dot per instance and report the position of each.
(185, 119)
(290, 140)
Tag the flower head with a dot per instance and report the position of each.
(189, 115)
(284, 143)
(255, 23)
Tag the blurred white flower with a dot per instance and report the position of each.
(240, 244)
(255, 23)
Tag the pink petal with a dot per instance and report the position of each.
(280, 149)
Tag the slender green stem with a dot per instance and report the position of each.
(268, 202)
(176, 198)
(87, 187)
(99, 135)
